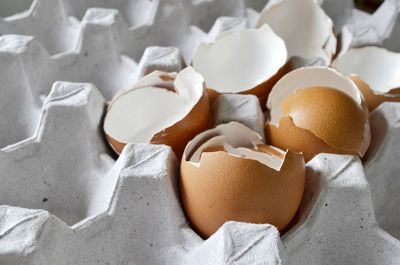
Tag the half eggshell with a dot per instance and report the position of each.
(228, 173)
(318, 110)
(162, 108)
(376, 71)
(247, 61)
(310, 33)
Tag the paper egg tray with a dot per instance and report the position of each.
(65, 200)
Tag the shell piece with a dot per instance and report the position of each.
(315, 110)
(259, 57)
(227, 173)
(373, 99)
(288, 135)
(162, 108)
(376, 71)
(309, 36)
(309, 106)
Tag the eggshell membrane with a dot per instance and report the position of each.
(374, 100)
(248, 61)
(376, 66)
(178, 134)
(310, 36)
(318, 119)
(261, 91)
(309, 77)
(225, 187)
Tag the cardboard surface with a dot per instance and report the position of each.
(64, 200)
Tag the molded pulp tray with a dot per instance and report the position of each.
(65, 200)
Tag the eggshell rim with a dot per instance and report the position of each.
(147, 81)
(252, 84)
(364, 54)
(360, 151)
(329, 43)
(199, 140)
(276, 96)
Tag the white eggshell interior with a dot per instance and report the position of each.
(236, 140)
(308, 33)
(378, 67)
(238, 61)
(138, 114)
(308, 77)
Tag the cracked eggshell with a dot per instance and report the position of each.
(162, 108)
(228, 173)
(310, 35)
(375, 70)
(247, 61)
(318, 110)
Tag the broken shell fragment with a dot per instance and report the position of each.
(248, 61)
(228, 173)
(162, 108)
(318, 110)
(376, 71)
(310, 36)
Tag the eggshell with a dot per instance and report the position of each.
(374, 100)
(311, 107)
(309, 117)
(261, 91)
(288, 135)
(247, 61)
(310, 33)
(375, 70)
(179, 134)
(180, 126)
(221, 186)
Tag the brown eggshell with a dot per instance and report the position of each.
(374, 100)
(287, 135)
(330, 115)
(115, 145)
(179, 134)
(262, 90)
(225, 187)
(327, 113)
(260, 61)
(212, 96)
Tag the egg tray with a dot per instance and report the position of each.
(93, 210)
(133, 25)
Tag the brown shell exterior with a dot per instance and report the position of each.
(374, 100)
(331, 115)
(179, 134)
(226, 187)
(287, 135)
(117, 146)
